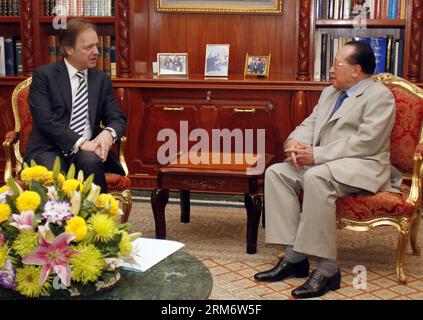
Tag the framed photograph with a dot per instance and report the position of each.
(172, 64)
(217, 60)
(257, 65)
(221, 6)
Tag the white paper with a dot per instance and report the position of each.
(151, 252)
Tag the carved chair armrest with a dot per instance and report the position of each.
(416, 180)
(10, 139)
(121, 154)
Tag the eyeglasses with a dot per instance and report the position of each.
(340, 64)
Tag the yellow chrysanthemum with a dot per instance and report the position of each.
(60, 178)
(4, 189)
(36, 173)
(86, 265)
(4, 255)
(28, 201)
(48, 178)
(102, 227)
(28, 282)
(104, 200)
(125, 245)
(71, 185)
(78, 227)
(25, 243)
(5, 212)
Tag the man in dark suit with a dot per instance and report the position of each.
(68, 100)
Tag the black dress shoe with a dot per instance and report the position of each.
(317, 285)
(284, 269)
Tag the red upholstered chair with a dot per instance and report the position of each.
(365, 212)
(15, 146)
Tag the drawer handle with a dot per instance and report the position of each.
(250, 110)
(173, 108)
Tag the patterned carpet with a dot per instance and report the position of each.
(216, 236)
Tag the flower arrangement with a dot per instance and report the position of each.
(58, 234)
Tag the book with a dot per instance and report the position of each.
(379, 46)
(18, 57)
(100, 58)
(9, 56)
(2, 59)
(52, 48)
(106, 54)
(323, 57)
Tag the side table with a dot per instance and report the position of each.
(222, 178)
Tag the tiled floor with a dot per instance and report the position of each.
(216, 236)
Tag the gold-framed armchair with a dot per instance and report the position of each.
(401, 211)
(15, 143)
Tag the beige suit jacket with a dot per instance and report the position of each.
(355, 141)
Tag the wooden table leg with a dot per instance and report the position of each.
(185, 205)
(159, 198)
(253, 206)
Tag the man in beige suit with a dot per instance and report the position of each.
(341, 148)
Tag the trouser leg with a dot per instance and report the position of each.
(90, 163)
(316, 233)
(281, 189)
(47, 159)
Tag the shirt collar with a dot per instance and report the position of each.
(72, 70)
(354, 88)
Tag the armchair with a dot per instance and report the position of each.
(366, 212)
(15, 145)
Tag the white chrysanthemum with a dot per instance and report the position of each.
(57, 211)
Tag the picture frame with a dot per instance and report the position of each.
(172, 64)
(217, 60)
(221, 6)
(257, 66)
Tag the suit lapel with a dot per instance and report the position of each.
(92, 96)
(64, 84)
(321, 123)
(346, 106)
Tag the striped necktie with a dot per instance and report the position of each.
(80, 106)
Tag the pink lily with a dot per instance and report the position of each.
(23, 221)
(1, 239)
(53, 256)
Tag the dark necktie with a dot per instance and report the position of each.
(338, 103)
(80, 106)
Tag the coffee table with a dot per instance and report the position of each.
(224, 178)
(178, 277)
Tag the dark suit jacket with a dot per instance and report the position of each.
(50, 100)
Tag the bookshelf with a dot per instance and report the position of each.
(34, 29)
(385, 28)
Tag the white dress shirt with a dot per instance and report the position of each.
(74, 81)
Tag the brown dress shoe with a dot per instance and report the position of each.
(317, 285)
(284, 269)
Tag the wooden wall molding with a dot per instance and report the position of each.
(416, 33)
(123, 45)
(303, 72)
(27, 35)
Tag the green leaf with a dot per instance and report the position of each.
(10, 200)
(37, 219)
(56, 168)
(33, 163)
(16, 189)
(38, 188)
(25, 165)
(71, 172)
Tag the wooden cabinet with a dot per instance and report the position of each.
(276, 104)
